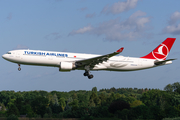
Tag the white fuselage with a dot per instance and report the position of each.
(51, 58)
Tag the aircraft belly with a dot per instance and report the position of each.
(123, 66)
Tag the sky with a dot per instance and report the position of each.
(88, 26)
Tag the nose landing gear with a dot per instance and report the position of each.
(19, 67)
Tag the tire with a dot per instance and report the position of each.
(19, 69)
(86, 74)
(90, 76)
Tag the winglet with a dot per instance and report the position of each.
(120, 50)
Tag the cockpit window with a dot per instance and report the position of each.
(8, 53)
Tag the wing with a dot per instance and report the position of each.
(91, 62)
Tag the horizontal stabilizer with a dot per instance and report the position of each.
(163, 62)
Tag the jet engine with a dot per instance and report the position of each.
(66, 66)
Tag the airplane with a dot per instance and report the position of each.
(67, 61)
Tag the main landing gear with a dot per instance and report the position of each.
(90, 76)
(19, 67)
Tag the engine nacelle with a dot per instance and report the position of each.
(66, 66)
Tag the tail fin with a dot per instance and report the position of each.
(162, 51)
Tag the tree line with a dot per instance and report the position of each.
(123, 103)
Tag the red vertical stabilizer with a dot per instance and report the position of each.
(161, 52)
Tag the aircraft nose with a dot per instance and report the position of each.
(4, 56)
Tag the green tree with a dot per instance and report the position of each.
(83, 100)
(117, 96)
(69, 100)
(156, 97)
(3, 108)
(28, 110)
(140, 112)
(74, 96)
(12, 117)
(39, 105)
(19, 103)
(111, 98)
(171, 112)
(11, 102)
(168, 88)
(136, 103)
(124, 114)
(175, 87)
(94, 89)
(103, 98)
(23, 107)
(12, 109)
(55, 100)
(49, 112)
(56, 109)
(62, 103)
(112, 89)
(43, 93)
(94, 100)
(157, 113)
(6, 96)
(129, 99)
(118, 105)
(74, 104)
(91, 103)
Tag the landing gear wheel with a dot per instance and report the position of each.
(86, 74)
(90, 76)
(19, 69)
